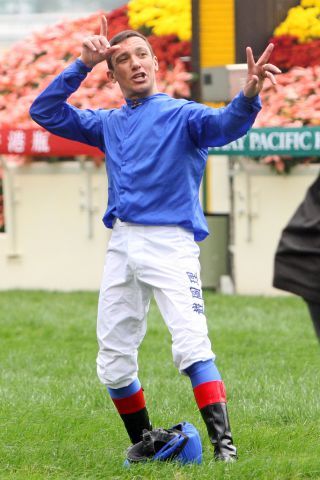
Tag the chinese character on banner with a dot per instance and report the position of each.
(16, 141)
(40, 142)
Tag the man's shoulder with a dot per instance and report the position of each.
(110, 112)
(180, 103)
(175, 101)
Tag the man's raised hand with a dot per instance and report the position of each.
(259, 71)
(96, 48)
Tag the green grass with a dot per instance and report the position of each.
(57, 422)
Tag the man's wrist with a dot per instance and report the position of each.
(249, 97)
(85, 64)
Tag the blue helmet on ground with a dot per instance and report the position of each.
(179, 443)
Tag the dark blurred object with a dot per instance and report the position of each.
(297, 259)
(255, 23)
(195, 52)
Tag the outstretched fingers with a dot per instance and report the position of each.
(259, 71)
(96, 48)
(250, 59)
(265, 55)
(103, 38)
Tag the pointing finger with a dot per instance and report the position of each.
(104, 26)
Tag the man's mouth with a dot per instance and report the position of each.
(139, 76)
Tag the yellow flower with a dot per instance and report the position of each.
(302, 21)
(310, 3)
(163, 17)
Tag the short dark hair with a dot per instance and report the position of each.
(121, 36)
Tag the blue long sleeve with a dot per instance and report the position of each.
(51, 110)
(216, 127)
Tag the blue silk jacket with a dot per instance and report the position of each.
(156, 149)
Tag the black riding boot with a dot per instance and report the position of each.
(216, 419)
(135, 423)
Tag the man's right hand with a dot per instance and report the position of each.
(96, 48)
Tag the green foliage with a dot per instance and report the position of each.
(57, 422)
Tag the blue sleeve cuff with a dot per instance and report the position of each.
(255, 99)
(81, 67)
(253, 102)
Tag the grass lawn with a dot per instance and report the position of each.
(57, 421)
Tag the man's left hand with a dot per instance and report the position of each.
(259, 71)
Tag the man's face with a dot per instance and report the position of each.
(134, 68)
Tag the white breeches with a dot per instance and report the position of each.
(142, 261)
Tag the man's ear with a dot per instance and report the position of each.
(110, 76)
(156, 64)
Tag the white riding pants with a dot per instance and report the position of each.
(142, 261)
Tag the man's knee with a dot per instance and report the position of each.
(116, 372)
(191, 351)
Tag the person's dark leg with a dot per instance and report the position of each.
(314, 310)
(131, 405)
(210, 395)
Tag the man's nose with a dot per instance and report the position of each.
(135, 62)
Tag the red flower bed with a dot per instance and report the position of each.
(168, 49)
(30, 65)
(117, 21)
(294, 102)
(289, 53)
